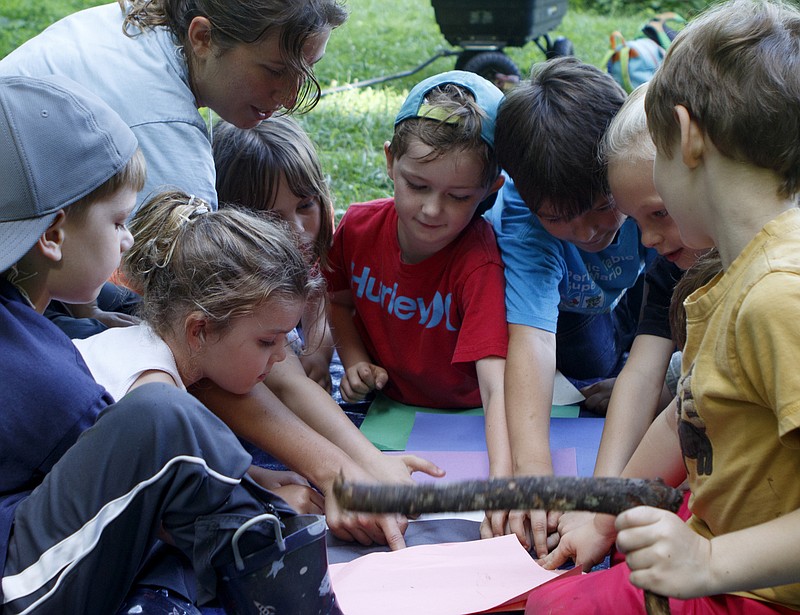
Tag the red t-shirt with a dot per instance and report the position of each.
(426, 323)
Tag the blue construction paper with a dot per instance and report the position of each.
(583, 434)
(440, 432)
(445, 432)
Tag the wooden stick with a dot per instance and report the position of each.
(603, 495)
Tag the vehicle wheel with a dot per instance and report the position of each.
(464, 57)
(561, 47)
(490, 64)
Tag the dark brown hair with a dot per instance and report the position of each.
(246, 22)
(548, 134)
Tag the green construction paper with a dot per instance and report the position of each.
(388, 423)
(565, 412)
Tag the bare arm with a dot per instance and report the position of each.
(659, 453)
(318, 343)
(530, 371)
(490, 380)
(348, 341)
(318, 410)
(92, 310)
(261, 418)
(634, 403)
(264, 420)
(361, 375)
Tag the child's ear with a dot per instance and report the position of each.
(52, 240)
(196, 330)
(692, 137)
(389, 160)
(198, 36)
(498, 183)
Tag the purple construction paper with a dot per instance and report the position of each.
(459, 465)
(565, 461)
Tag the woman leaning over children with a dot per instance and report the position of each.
(158, 62)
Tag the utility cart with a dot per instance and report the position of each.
(481, 29)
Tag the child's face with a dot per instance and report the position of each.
(243, 355)
(304, 214)
(592, 231)
(670, 179)
(250, 82)
(434, 200)
(94, 241)
(635, 195)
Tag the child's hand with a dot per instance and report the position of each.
(365, 528)
(318, 369)
(586, 538)
(411, 464)
(495, 523)
(274, 479)
(109, 319)
(399, 468)
(305, 500)
(291, 487)
(360, 379)
(535, 529)
(598, 395)
(664, 555)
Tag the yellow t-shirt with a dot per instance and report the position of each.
(739, 396)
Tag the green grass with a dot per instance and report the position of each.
(388, 38)
(381, 38)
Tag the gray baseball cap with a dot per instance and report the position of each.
(486, 94)
(58, 143)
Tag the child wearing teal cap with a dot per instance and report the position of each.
(416, 279)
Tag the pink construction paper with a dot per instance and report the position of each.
(441, 579)
(471, 465)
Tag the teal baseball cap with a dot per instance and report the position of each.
(486, 95)
(58, 143)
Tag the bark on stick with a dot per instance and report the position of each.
(603, 495)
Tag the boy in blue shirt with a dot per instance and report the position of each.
(87, 487)
(570, 257)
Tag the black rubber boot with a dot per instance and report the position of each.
(156, 601)
(289, 577)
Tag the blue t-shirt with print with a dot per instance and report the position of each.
(545, 275)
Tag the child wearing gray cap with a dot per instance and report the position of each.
(89, 486)
(416, 280)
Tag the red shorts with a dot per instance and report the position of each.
(608, 592)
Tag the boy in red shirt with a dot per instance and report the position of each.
(417, 281)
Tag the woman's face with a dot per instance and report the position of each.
(250, 81)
